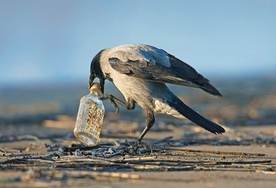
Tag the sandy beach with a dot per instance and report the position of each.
(38, 149)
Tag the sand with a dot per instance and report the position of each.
(198, 159)
(38, 149)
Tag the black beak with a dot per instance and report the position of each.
(102, 84)
(91, 79)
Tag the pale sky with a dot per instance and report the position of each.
(52, 41)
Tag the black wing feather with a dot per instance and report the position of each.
(179, 73)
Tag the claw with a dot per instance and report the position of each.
(133, 148)
(129, 104)
(112, 100)
(115, 106)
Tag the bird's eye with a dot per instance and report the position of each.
(114, 60)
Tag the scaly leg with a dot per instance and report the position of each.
(149, 123)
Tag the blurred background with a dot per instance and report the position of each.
(46, 48)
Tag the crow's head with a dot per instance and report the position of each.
(96, 71)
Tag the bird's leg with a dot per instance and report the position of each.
(149, 123)
(129, 104)
(115, 105)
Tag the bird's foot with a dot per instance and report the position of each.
(112, 100)
(133, 148)
(137, 145)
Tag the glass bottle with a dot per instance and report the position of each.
(90, 117)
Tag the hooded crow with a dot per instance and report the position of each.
(141, 72)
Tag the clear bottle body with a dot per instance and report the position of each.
(89, 119)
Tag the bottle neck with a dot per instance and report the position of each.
(94, 92)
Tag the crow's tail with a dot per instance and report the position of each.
(195, 117)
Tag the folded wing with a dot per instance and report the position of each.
(156, 65)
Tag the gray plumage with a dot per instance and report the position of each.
(140, 72)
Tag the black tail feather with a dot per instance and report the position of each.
(211, 89)
(195, 117)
